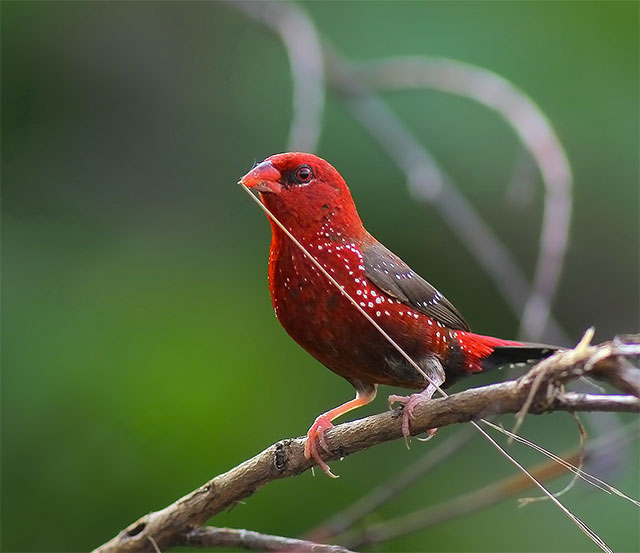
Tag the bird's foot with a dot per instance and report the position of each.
(410, 403)
(316, 440)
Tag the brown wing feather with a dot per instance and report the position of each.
(389, 273)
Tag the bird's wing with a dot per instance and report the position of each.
(389, 273)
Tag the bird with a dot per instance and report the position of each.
(309, 197)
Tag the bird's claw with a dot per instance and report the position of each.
(315, 437)
(410, 403)
(430, 434)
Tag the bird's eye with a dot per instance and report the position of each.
(304, 174)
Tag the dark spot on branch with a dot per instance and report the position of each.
(136, 529)
(281, 458)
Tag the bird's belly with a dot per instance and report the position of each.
(328, 326)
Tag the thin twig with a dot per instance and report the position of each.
(209, 536)
(524, 501)
(573, 401)
(286, 458)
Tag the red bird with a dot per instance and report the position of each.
(310, 198)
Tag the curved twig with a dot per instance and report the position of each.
(428, 182)
(535, 132)
(298, 34)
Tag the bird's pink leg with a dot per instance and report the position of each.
(315, 435)
(411, 402)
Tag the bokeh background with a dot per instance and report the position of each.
(140, 352)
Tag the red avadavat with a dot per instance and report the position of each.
(312, 200)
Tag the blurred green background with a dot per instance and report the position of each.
(140, 352)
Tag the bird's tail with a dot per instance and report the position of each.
(518, 352)
(485, 353)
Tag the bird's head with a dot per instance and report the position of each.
(305, 192)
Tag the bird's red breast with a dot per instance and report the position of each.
(313, 202)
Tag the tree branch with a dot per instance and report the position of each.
(230, 537)
(172, 525)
